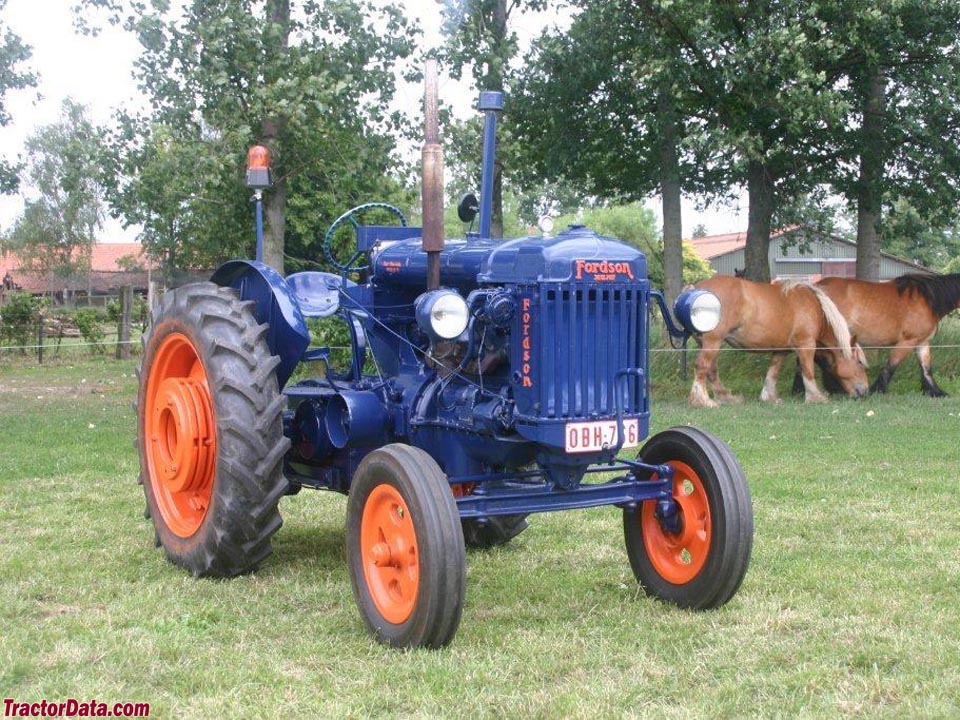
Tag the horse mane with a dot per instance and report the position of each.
(836, 320)
(941, 292)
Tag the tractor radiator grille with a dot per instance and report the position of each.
(579, 337)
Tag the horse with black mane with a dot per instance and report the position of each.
(777, 318)
(903, 314)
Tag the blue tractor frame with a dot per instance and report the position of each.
(542, 384)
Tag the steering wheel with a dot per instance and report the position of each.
(351, 217)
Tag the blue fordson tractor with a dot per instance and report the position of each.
(489, 380)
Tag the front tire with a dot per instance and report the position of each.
(210, 432)
(405, 548)
(702, 564)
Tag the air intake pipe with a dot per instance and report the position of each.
(491, 103)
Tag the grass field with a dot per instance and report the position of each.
(851, 606)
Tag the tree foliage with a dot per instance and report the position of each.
(480, 40)
(14, 75)
(311, 80)
(908, 234)
(57, 229)
(18, 320)
(771, 96)
(598, 106)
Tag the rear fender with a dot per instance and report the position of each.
(275, 305)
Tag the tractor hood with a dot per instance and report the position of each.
(575, 254)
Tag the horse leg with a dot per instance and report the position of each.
(830, 383)
(897, 355)
(813, 393)
(769, 392)
(706, 366)
(721, 392)
(928, 386)
(797, 388)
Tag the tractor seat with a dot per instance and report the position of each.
(317, 293)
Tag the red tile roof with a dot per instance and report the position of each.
(713, 245)
(103, 258)
(105, 267)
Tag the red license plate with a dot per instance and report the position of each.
(581, 437)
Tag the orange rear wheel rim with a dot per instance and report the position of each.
(679, 557)
(389, 554)
(180, 435)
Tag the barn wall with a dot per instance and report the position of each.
(818, 247)
(799, 259)
(726, 264)
(891, 268)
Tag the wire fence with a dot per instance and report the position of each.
(49, 341)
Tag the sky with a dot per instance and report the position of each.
(97, 73)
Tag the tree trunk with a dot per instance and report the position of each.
(496, 208)
(760, 192)
(868, 183)
(274, 201)
(670, 192)
(275, 197)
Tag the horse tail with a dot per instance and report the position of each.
(836, 320)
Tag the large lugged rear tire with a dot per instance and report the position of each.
(405, 548)
(702, 564)
(210, 432)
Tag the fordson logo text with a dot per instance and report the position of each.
(525, 343)
(603, 270)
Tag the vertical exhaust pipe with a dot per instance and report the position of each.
(432, 185)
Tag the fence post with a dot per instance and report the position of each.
(683, 361)
(40, 338)
(126, 314)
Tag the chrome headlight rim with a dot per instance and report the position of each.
(699, 311)
(442, 314)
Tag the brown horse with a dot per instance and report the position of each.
(902, 314)
(777, 318)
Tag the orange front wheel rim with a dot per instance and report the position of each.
(679, 557)
(389, 554)
(180, 435)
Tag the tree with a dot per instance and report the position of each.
(479, 37)
(598, 106)
(14, 75)
(898, 71)
(58, 227)
(907, 234)
(312, 82)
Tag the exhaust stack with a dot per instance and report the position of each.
(432, 185)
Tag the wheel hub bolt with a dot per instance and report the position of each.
(381, 554)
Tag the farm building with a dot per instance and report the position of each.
(797, 252)
(112, 266)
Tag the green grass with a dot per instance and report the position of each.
(851, 606)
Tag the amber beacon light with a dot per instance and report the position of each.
(258, 178)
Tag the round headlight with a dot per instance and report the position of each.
(705, 312)
(698, 310)
(442, 314)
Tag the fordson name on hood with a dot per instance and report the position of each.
(603, 270)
